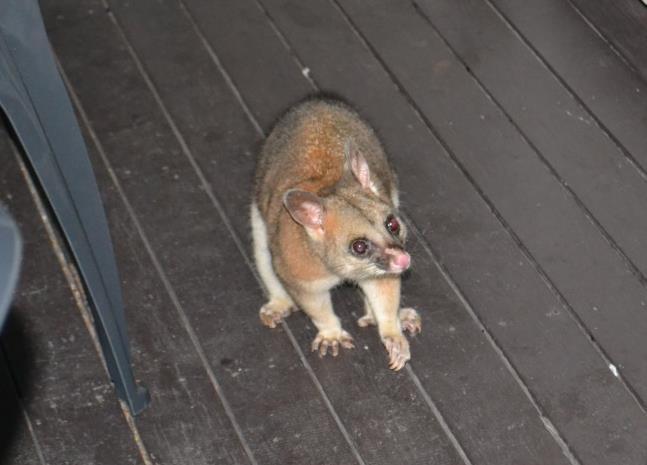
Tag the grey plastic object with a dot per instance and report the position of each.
(35, 101)
(10, 256)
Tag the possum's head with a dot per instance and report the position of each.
(355, 229)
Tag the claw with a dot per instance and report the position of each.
(398, 350)
(323, 348)
(410, 321)
(274, 311)
(334, 340)
(335, 348)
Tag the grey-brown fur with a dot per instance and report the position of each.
(325, 210)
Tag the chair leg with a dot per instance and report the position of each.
(36, 103)
(11, 253)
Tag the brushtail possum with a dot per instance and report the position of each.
(325, 210)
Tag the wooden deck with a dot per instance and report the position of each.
(518, 130)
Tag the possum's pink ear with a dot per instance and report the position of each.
(358, 165)
(305, 207)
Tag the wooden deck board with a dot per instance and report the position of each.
(622, 24)
(511, 366)
(583, 61)
(564, 135)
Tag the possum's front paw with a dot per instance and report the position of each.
(273, 312)
(398, 348)
(332, 339)
(410, 321)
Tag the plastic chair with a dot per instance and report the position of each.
(34, 99)
(10, 256)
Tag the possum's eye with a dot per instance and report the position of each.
(392, 224)
(359, 247)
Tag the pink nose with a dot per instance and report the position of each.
(399, 260)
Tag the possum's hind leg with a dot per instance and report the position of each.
(410, 320)
(369, 317)
(280, 304)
